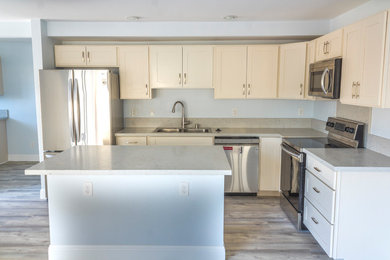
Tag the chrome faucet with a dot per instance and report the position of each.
(183, 121)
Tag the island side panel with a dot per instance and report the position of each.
(140, 216)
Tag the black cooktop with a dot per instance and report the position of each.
(319, 142)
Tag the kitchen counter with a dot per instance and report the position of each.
(261, 132)
(347, 159)
(3, 114)
(120, 160)
(141, 202)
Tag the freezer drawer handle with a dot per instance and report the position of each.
(314, 220)
(317, 169)
(316, 190)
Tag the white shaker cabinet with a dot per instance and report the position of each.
(310, 58)
(134, 72)
(85, 56)
(292, 67)
(330, 45)
(270, 162)
(181, 66)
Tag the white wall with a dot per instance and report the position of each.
(324, 109)
(201, 103)
(15, 29)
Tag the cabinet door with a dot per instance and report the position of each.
(198, 66)
(270, 162)
(230, 72)
(310, 58)
(134, 72)
(330, 45)
(352, 63)
(292, 68)
(70, 56)
(101, 56)
(166, 67)
(262, 71)
(373, 41)
(131, 140)
(179, 140)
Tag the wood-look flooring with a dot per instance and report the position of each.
(255, 228)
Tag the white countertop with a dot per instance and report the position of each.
(261, 132)
(123, 160)
(349, 159)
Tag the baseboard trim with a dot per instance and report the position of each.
(268, 193)
(23, 157)
(107, 252)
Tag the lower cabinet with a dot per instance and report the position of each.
(345, 210)
(270, 162)
(179, 140)
(131, 140)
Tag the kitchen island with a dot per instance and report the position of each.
(146, 202)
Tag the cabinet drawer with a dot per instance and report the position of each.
(321, 229)
(322, 172)
(320, 195)
(131, 140)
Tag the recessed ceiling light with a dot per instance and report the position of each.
(230, 17)
(133, 18)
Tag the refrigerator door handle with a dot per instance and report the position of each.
(76, 97)
(71, 110)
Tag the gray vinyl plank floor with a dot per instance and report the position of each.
(255, 228)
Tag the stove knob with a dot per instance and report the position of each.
(351, 130)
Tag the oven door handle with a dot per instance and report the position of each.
(296, 156)
(326, 70)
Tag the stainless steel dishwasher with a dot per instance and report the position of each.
(243, 156)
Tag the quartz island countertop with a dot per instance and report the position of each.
(125, 160)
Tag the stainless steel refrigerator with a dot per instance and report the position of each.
(79, 107)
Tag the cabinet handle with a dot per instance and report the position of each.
(301, 88)
(323, 48)
(249, 89)
(314, 220)
(185, 78)
(243, 89)
(353, 89)
(83, 56)
(179, 78)
(317, 169)
(131, 142)
(357, 89)
(316, 190)
(147, 90)
(327, 49)
(88, 56)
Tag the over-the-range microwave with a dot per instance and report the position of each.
(325, 78)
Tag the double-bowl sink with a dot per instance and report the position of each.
(182, 130)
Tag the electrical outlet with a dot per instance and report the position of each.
(184, 189)
(133, 112)
(151, 113)
(234, 112)
(88, 189)
(300, 111)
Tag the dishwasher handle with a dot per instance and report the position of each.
(293, 154)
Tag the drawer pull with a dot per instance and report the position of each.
(316, 190)
(314, 220)
(129, 142)
(317, 169)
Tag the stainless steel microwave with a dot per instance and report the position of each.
(325, 78)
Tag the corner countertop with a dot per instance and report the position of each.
(349, 159)
(135, 160)
(3, 114)
(261, 132)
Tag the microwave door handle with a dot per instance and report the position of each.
(323, 81)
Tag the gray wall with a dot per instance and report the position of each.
(19, 99)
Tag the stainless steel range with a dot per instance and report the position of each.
(342, 133)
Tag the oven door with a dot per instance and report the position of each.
(293, 176)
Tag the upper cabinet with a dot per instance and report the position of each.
(363, 62)
(134, 72)
(181, 66)
(329, 45)
(245, 71)
(292, 66)
(85, 56)
(310, 58)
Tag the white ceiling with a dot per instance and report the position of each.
(175, 10)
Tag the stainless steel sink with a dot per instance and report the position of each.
(181, 130)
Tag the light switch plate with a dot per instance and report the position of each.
(184, 189)
(88, 189)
